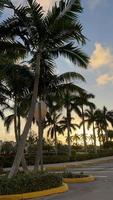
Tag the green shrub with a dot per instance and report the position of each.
(55, 159)
(85, 156)
(23, 183)
(71, 175)
(1, 170)
(108, 145)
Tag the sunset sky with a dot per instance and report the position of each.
(97, 20)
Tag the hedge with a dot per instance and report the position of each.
(23, 183)
(6, 161)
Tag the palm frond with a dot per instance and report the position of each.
(70, 76)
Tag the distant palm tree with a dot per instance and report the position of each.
(53, 124)
(65, 92)
(75, 139)
(90, 118)
(103, 118)
(110, 134)
(84, 101)
(67, 124)
(91, 139)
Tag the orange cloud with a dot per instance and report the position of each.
(104, 79)
(47, 4)
(101, 56)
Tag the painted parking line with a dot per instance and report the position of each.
(101, 176)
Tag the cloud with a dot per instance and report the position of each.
(94, 3)
(101, 56)
(104, 79)
(47, 4)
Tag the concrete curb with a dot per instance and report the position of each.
(58, 190)
(79, 180)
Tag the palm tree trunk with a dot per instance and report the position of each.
(68, 134)
(24, 164)
(84, 130)
(103, 138)
(39, 153)
(94, 136)
(15, 121)
(98, 132)
(56, 150)
(106, 134)
(37, 158)
(23, 138)
(17, 133)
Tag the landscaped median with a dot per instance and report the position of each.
(32, 185)
(69, 177)
(79, 180)
(37, 194)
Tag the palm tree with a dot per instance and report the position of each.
(75, 139)
(90, 118)
(53, 124)
(84, 100)
(67, 124)
(110, 134)
(19, 88)
(51, 35)
(103, 118)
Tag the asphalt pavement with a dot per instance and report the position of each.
(101, 189)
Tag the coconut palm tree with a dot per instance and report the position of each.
(103, 118)
(75, 139)
(110, 134)
(51, 35)
(67, 124)
(53, 124)
(84, 101)
(19, 88)
(54, 85)
(90, 118)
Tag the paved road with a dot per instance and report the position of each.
(101, 189)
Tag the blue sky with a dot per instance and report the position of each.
(97, 20)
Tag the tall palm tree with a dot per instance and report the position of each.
(103, 118)
(90, 118)
(19, 87)
(84, 101)
(51, 35)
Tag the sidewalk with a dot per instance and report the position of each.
(75, 163)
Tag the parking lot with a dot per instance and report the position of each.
(101, 189)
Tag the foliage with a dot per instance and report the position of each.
(71, 175)
(108, 145)
(7, 148)
(23, 183)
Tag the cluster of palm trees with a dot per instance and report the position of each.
(30, 41)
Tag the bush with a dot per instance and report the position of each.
(85, 156)
(108, 145)
(71, 175)
(55, 159)
(1, 170)
(23, 183)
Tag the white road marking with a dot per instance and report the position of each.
(101, 176)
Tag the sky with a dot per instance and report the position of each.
(97, 20)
